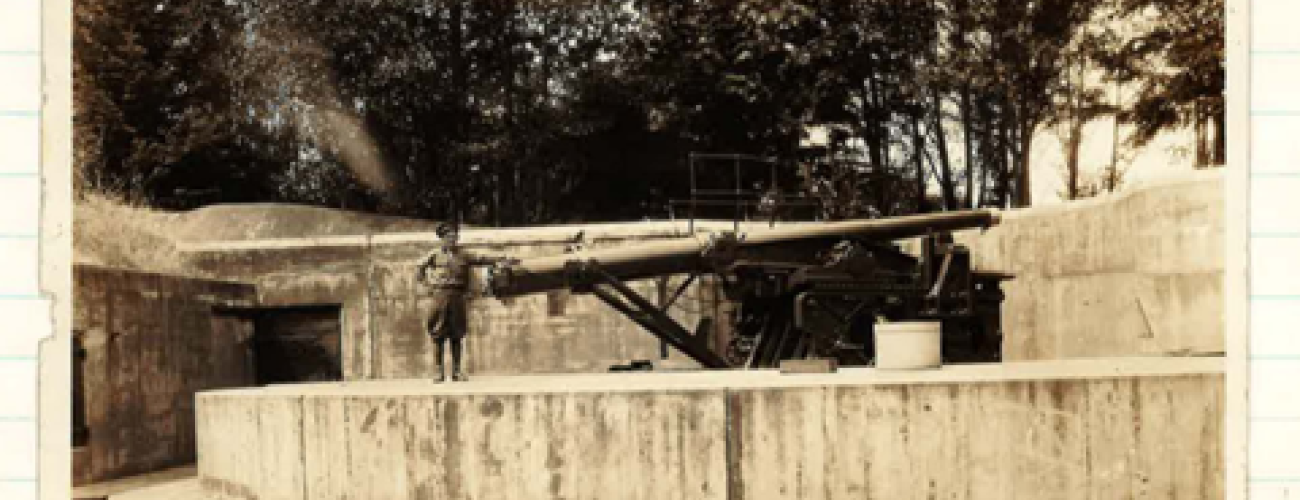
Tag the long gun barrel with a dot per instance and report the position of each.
(692, 254)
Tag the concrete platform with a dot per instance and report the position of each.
(179, 483)
(1112, 428)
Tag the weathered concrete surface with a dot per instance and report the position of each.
(1101, 438)
(151, 341)
(1139, 273)
(383, 309)
(1084, 429)
(473, 446)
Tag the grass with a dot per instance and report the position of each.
(111, 231)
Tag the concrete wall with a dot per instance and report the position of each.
(151, 342)
(383, 309)
(1060, 430)
(1139, 273)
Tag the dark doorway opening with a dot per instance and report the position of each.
(298, 344)
(80, 432)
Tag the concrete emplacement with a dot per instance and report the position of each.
(1132, 275)
(1100, 428)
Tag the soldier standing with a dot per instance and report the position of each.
(448, 321)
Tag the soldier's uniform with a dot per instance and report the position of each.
(447, 271)
(450, 283)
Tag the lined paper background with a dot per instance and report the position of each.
(23, 314)
(1274, 453)
(1274, 290)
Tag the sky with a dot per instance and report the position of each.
(1169, 155)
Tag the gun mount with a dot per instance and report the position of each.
(812, 290)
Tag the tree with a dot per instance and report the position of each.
(149, 99)
(1175, 58)
(533, 111)
(1081, 95)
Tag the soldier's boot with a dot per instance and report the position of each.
(442, 372)
(457, 375)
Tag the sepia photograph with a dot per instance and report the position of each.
(602, 249)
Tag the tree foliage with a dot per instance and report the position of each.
(1175, 58)
(533, 111)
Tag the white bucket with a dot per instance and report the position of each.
(908, 345)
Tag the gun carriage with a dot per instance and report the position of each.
(811, 290)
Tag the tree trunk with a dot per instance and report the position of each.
(881, 135)
(1199, 131)
(1114, 143)
(969, 150)
(991, 157)
(918, 152)
(946, 184)
(1220, 137)
(867, 124)
(1002, 152)
(1024, 194)
(1073, 140)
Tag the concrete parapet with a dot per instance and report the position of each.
(1137, 273)
(1114, 428)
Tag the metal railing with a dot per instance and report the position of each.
(737, 196)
